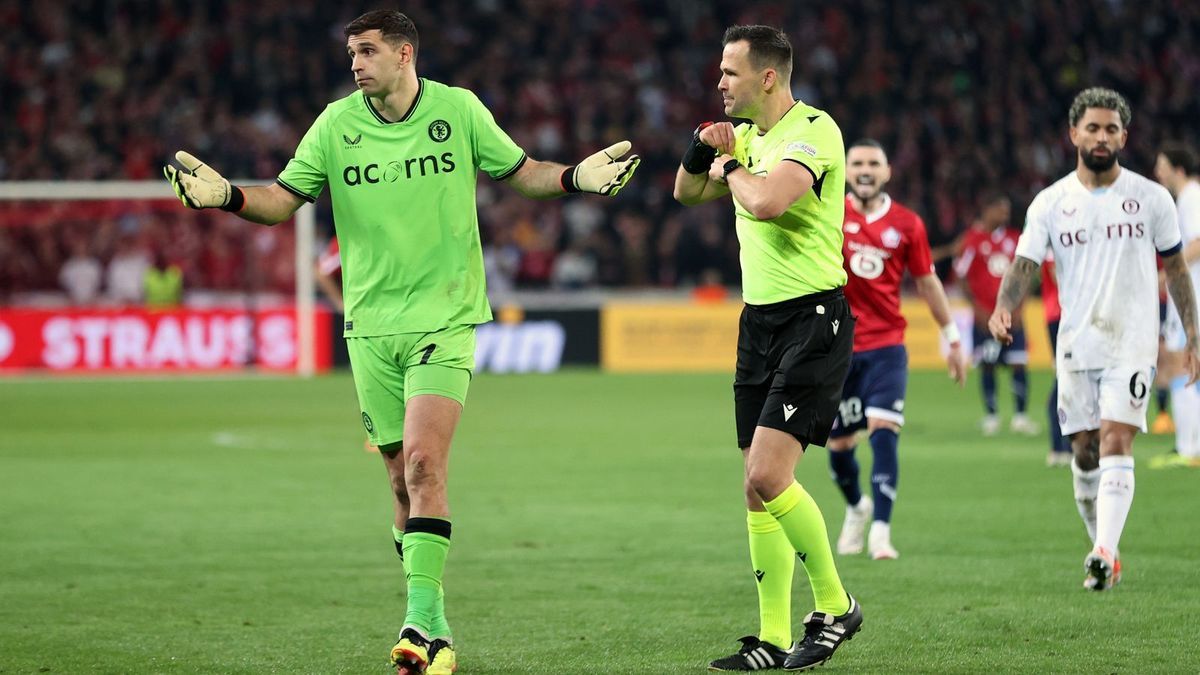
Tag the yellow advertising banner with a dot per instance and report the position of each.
(658, 337)
(923, 339)
(702, 337)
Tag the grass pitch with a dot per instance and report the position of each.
(237, 526)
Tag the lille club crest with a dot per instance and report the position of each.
(890, 237)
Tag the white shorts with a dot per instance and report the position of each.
(1118, 394)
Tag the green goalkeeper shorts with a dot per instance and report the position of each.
(390, 369)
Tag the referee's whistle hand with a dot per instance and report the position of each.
(719, 136)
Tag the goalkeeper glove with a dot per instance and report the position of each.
(198, 186)
(601, 173)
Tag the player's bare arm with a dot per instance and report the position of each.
(1013, 288)
(692, 183)
(765, 197)
(269, 204)
(691, 190)
(603, 173)
(951, 249)
(1191, 252)
(538, 180)
(929, 287)
(1179, 285)
(199, 186)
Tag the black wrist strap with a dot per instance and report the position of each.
(698, 156)
(567, 180)
(237, 199)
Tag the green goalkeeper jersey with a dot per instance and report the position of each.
(404, 205)
(800, 252)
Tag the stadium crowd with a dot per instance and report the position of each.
(966, 95)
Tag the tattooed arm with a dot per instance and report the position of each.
(1179, 284)
(1013, 288)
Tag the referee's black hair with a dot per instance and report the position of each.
(769, 47)
(395, 27)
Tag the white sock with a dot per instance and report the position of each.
(1185, 402)
(885, 529)
(1114, 499)
(879, 535)
(1087, 483)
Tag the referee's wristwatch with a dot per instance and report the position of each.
(728, 168)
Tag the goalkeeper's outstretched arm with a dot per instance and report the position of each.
(199, 186)
(602, 173)
(268, 204)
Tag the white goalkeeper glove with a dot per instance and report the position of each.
(198, 186)
(602, 173)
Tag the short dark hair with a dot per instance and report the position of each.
(866, 143)
(1099, 97)
(395, 27)
(1181, 156)
(769, 47)
(993, 196)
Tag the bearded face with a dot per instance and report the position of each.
(1099, 137)
(867, 171)
(1099, 158)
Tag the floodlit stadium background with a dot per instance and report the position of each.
(167, 524)
(966, 96)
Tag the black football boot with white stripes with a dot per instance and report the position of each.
(823, 634)
(754, 655)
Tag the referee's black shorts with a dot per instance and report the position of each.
(792, 359)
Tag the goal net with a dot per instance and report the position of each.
(120, 277)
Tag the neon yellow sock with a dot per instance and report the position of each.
(774, 562)
(438, 626)
(426, 544)
(801, 520)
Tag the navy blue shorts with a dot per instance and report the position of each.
(990, 352)
(875, 387)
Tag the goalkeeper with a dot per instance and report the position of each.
(400, 159)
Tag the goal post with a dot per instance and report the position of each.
(305, 234)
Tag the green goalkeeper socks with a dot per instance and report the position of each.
(425, 544)
(398, 535)
(801, 520)
(774, 560)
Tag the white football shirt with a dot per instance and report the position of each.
(1188, 206)
(1104, 243)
